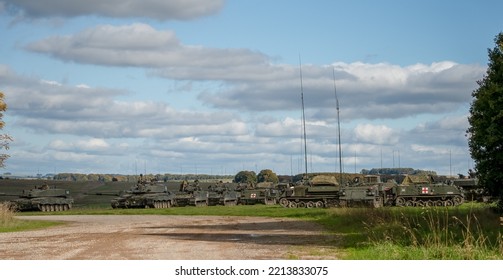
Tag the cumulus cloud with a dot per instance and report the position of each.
(49, 107)
(252, 81)
(140, 45)
(376, 134)
(156, 9)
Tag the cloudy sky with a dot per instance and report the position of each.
(213, 86)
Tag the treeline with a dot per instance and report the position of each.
(397, 171)
(76, 177)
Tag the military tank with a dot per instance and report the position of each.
(144, 195)
(319, 191)
(42, 198)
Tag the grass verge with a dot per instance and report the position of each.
(9, 222)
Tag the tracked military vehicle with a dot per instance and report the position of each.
(43, 198)
(261, 193)
(426, 194)
(319, 191)
(144, 195)
(222, 194)
(191, 195)
(365, 191)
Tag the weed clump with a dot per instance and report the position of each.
(6, 214)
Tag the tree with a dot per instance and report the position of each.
(4, 138)
(485, 134)
(245, 177)
(267, 175)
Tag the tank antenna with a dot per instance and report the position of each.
(339, 129)
(303, 117)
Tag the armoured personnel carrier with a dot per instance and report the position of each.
(426, 194)
(222, 194)
(261, 193)
(365, 191)
(43, 198)
(319, 191)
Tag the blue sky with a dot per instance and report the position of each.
(213, 86)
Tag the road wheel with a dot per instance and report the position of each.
(301, 204)
(292, 204)
(457, 200)
(400, 201)
(319, 204)
(310, 204)
(284, 202)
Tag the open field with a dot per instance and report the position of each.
(470, 231)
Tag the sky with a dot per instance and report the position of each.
(216, 87)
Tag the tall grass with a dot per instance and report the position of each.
(432, 233)
(6, 214)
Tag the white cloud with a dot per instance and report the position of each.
(156, 9)
(141, 45)
(375, 134)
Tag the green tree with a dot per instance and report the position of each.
(267, 175)
(486, 124)
(245, 177)
(4, 138)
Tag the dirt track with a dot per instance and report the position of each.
(168, 238)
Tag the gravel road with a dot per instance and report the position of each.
(149, 237)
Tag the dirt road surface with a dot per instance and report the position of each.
(149, 237)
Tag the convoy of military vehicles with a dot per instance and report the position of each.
(319, 191)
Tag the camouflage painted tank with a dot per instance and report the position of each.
(145, 195)
(319, 191)
(42, 198)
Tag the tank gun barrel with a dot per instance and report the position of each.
(8, 194)
(103, 193)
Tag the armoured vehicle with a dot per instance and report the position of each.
(472, 190)
(319, 191)
(43, 198)
(261, 193)
(144, 195)
(425, 194)
(191, 194)
(222, 194)
(366, 191)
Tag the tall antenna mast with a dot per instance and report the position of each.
(339, 129)
(303, 117)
